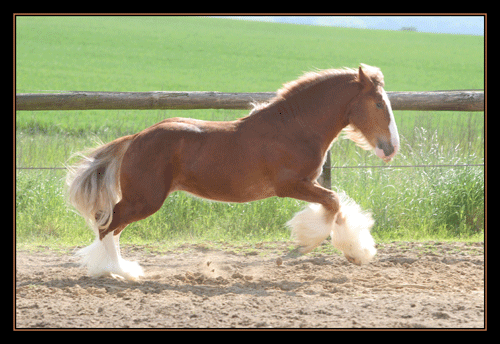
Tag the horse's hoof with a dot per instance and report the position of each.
(353, 260)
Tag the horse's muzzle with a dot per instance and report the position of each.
(386, 147)
(385, 150)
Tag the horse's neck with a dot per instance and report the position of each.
(317, 113)
(321, 109)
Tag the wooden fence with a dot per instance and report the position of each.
(423, 101)
(463, 100)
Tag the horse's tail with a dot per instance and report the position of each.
(94, 182)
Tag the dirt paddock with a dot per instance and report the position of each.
(408, 285)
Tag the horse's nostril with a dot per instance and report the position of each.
(386, 147)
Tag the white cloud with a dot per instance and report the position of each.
(342, 21)
(471, 25)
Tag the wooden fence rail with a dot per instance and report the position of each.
(423, 101)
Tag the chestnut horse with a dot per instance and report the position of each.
(277, 150)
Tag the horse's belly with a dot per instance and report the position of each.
(224, 190)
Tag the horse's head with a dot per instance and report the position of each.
(371, 121)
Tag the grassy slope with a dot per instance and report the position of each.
(160, 53)
(169, 53)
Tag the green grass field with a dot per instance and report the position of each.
(211, 54)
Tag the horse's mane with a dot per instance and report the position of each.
(312, 78)
(309, 79)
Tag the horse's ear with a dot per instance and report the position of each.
(365, 80)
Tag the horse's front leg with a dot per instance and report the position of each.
(313, 224)
(332, 215)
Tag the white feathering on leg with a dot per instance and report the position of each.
(351, 232)
(103, 258)
(309, 227)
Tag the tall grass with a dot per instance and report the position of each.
(421, 202)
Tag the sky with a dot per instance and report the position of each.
(461, 25)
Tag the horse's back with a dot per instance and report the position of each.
(208, 159)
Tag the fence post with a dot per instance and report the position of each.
(325, 179)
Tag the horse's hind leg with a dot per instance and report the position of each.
(134, 206)
(143, 191)
(103, 258)
(130, 210)
(141, 197)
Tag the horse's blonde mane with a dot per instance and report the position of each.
(312, 78)
(306, 80)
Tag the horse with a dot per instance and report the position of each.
(277, 150)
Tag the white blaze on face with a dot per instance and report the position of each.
(393, 129)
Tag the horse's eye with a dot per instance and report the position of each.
(380, 105)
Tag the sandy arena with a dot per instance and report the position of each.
(408, 285)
